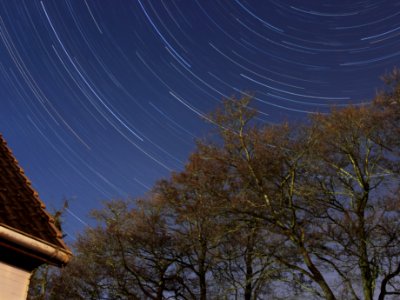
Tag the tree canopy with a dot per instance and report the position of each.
(265, 211)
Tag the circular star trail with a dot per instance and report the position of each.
(101, 98)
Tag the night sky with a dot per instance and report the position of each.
(100, 98)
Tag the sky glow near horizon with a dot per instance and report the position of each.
(99, 99)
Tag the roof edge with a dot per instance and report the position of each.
(52, 252)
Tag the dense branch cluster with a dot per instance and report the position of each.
(264, 212)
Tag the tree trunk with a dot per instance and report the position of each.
(160, 290)
(363, 262)
(248, 291)
(202, 271)
(319, 279)
(203, 285)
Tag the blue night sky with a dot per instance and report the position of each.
(100, 98)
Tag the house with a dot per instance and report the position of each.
(28, 235)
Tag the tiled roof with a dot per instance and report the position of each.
(20, 206)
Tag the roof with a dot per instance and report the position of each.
(20, 205)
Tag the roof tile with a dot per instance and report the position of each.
(20, 205)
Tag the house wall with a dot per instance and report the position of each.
(14, 282)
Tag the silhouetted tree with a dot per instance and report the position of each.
(263, 211)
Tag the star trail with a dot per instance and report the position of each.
(99, 99)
